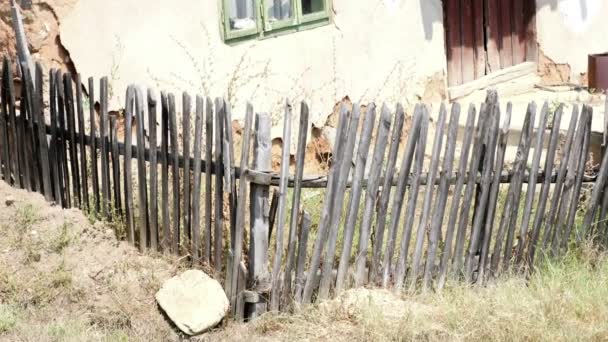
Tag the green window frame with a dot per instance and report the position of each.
(265, 27)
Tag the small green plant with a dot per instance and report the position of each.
(61, 277)
(8, 317)
(64, 238)
(26, 217)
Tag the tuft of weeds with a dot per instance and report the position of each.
(64, 239)
(8, 317)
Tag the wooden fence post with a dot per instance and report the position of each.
(259, 277)
(129, 209)
(84, 173)
(164, 171)
(375, 274)
(371, 195)
(453, 215)
(531, 189)
(355, 196)
(337, 203)
(93, 150)
(103, 129)
(295, 207)
(561, 175)
(398, 197)
(282, 209)
(425, 219)
(544, 191)
(175, 241)
(186, 107)
(208, 180)
(153, 171)
(141, 171)
(218, 237)
(232, 273)
(442, 193)
(410, 213)
(492, 205)
(196, 186)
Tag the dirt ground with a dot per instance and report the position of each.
(65, 279)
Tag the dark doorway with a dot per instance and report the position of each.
(484, 36)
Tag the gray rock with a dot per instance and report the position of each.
(193, 301)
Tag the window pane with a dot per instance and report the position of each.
(241, 14)
(312, 6)
(278, 9)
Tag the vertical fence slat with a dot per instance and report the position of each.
(196, 186)
(602, 223)
(425, 218)
(338, 202)
(457, 194)
(128, 177)
(398, 197)
(384, 125)
(208, 180)
(578, 183)
(259, 276)
(141, 171)
(272, 213)
(546, 186)
(282, 210)
(324, 224)
(71, 121)
(103, 134)
(25, 137)
(492, 205)
(12, 121)
(229, 173)
(478, 143)
(164, 170)
(355, 196)
(232, 278)
(531, 188)
(117, 207)
(54, 159)
(375, 275)
(93, 150)
(40, 132)
(295, 207)
(4, 130)
(24, 142)
(520, 166)
(410, 212)
(186, 107)
(442, 191)
(218, 236)
(175, 241)
(561, 176)
(62, 133)
(301, 257)
(493, 111)
(84, 173)
(27, 114)
(569, 183)
(153, 219)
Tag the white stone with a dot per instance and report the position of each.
(193, 301)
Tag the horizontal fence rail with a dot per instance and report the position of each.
(403, 208)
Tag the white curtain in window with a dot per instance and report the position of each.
(240, 9)
(278, 9)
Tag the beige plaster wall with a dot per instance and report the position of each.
(569, 30)
(373, 50)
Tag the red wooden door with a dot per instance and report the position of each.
(484, 36)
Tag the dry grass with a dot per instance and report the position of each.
(566, 300)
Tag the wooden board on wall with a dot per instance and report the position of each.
(480, 51)
(468, 40)
(453, 42)
(505, 16)
(493, 35)
(519, 32)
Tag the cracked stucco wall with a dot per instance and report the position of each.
(374, 50)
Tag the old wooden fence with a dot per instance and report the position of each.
(466, 226)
